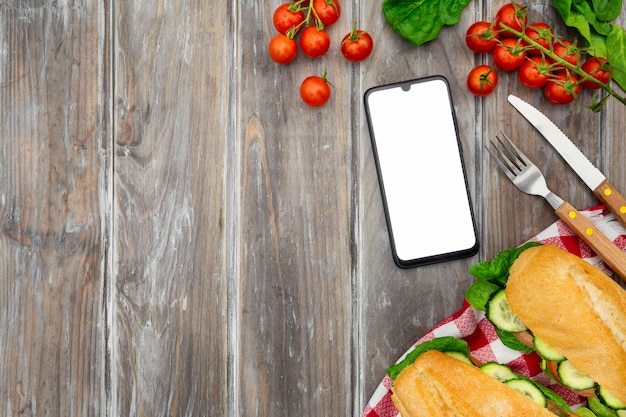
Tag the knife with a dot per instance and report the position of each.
(590, 175)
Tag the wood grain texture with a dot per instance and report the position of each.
(181, 236)
(295, 287)
(172, 134)
(52, 229)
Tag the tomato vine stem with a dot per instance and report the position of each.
(531, 43)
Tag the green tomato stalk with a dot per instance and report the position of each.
(558, 61)
(298, 6)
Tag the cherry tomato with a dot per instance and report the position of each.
(285, 18)
(315, 90)
(567, 50)
(481, 37)
(314, 42)
(541, 33)
(327, 10)
(509, 54)
(562, 89)
(534, 72)
(512, 15)
(598, 68)
(357, 45)
(283, 49)
(482, 80)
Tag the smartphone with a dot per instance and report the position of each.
(419, 161)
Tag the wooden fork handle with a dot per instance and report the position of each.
(615, 202)
(594, 238)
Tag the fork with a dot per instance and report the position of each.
(528, 178)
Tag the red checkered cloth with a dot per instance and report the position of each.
(472, 326)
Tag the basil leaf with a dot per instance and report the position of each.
(421, 21)
(616, 54)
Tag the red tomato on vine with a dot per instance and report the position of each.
(482, 80)
(282, 49)
(598, 68)
(314, 42)
(481, 37)
(328, 11)
(285, 17)
(357, 45)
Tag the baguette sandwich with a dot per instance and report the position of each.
(576, 316)
(438, 384)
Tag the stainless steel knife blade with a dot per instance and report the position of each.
(590, 175)
(572, 155)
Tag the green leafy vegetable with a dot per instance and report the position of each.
(584, 412)
(421, 21)
(496, 271)
(551, 395)
(600, 409)
(509, 340)
(491, 277)
(592, 19)
(442, 344)
(616, 48)
(479, 293)
(607, 10)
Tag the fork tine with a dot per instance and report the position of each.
(503, 162)
(514, 150)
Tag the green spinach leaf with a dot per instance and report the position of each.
(607, 10)
(616, 54)
(496, 271)
(509, 340)
(443, 344)
(421, 21)
(479, 293)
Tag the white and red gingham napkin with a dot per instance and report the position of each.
(472, 326)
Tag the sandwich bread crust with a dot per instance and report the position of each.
(576, 309)
(437, 384)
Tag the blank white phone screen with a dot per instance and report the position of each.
(421, 170)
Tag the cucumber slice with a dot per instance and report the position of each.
(501, 315)
(529, 389)
(621, 413)
(460, 356)
(573, 378)
(547, 352)
(500, 372)
(610, 400)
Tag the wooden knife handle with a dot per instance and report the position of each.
(597, 241)
(613, 200)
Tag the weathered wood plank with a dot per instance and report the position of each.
(53, 226)
(173, 131)
(295, 283)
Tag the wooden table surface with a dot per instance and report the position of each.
(181, 236)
